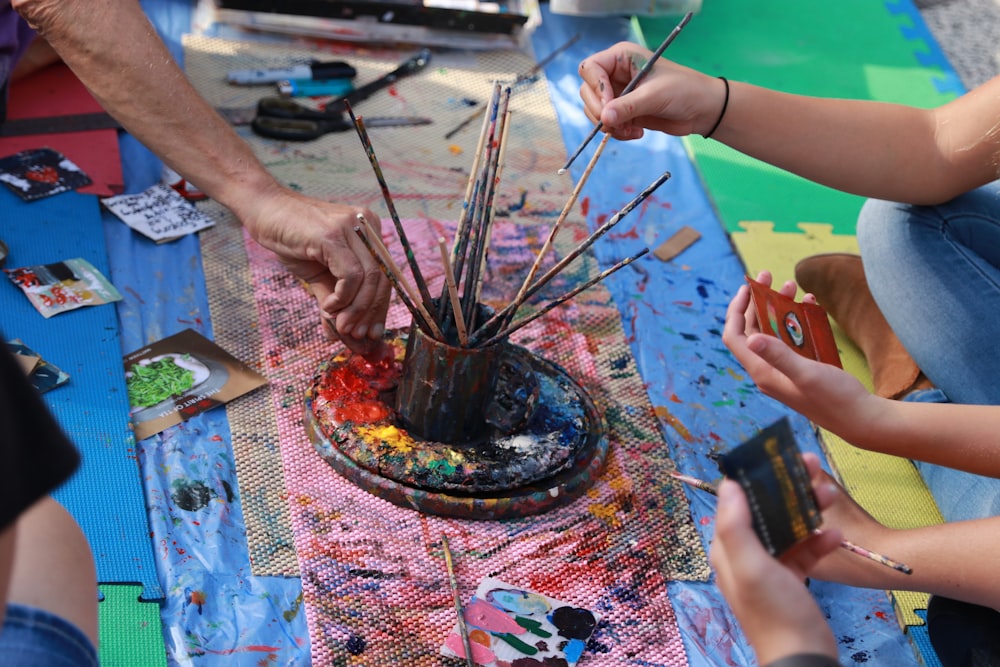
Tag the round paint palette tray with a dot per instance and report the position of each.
(553, 459)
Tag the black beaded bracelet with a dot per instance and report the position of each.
(725, 105)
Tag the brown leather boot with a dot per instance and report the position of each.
(838, 282)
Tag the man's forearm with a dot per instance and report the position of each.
(116, 53)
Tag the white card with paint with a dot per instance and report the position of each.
(159, 212)
(507, 624)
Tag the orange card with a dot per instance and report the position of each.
(803, 326)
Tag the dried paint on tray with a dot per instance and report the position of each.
(513, 627)
(41, 172)
(66, 285)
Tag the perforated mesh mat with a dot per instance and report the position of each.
(373, 573)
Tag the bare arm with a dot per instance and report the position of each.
(953, 435)
(874, 149)
(957, 560)
(114, 50)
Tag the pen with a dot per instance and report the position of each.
(314, 70)
(311, 88)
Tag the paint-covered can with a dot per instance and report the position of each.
(459, 395)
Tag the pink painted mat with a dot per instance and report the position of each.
(373, 574)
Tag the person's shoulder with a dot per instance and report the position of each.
(805, 660)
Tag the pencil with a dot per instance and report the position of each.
(844, 544)
(462, 628)
(631, 85)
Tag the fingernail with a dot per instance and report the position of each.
(359, 331)
(376, 331)
(610, 116)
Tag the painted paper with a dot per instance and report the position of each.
(511, 626)
(159, 212)
(40, 172)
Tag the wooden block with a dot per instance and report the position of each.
(677, 243)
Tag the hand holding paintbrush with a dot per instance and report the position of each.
(708, 487)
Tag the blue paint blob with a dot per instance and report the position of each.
(574, 649)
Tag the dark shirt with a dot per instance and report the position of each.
(35, 454)
(804, 660)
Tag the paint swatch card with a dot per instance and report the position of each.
(160, 213)
(803, 326)
(181, 376)
(772, 473)
(43, 375)
(41, 172)
(66, 285)
(510, 626)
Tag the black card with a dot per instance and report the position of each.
(40, 172)
(773, 475)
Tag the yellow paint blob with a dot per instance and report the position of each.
(606, 513)
(455, 149)
(390, 435)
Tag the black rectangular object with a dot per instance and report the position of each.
(774, 477)
(387, 12)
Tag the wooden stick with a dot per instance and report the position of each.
(502, 314)
(373, 240)
(411, 259)
(456, 305)
(565, 297)
(844, 544)
(631, 85)
(533, 271)
(463, 629)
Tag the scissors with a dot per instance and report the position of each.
(282, 118)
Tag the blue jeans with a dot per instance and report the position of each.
(935, 273)
(33, 637)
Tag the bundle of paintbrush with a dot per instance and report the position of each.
(456, 317)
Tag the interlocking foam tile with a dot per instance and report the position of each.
(130, 631)
(887, 486)
(105, 496)
(854, 49)
(922, 641)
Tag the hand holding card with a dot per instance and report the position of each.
(774, 477)
(803, 326)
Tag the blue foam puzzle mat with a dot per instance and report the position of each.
(105, 495)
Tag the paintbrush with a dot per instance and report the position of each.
(411, 259)
(631, 85)
(533, 271)
(844, 544)
(373, 242)
(456, 306)
(462, 628)
(502, 314)
(520, 79)
(504, 333)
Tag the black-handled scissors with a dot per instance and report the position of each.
(282, 118)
